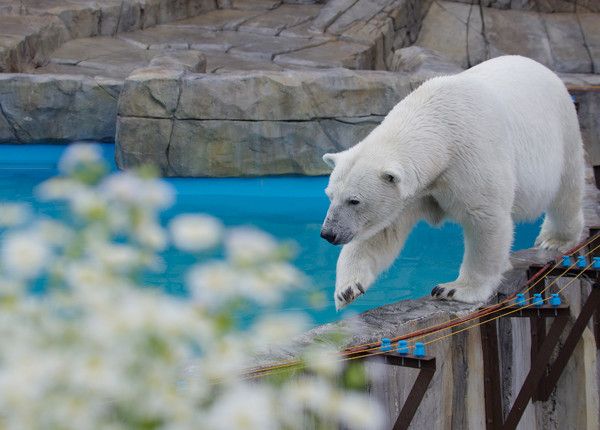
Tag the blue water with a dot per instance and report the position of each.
(289, 208)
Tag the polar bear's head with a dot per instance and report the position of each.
(366, 195)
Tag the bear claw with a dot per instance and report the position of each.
(437, 290)
(360, 288)
(347, 296)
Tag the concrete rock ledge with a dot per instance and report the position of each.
(250, 124)
(455, 397)
(57, 109)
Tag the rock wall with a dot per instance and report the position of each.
(249, 124)
(57, 109)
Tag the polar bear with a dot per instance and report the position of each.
(495, 144)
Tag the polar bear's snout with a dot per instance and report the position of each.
(334, 230)
(331, 233)
(328, 235)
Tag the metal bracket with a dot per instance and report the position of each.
(427, 367)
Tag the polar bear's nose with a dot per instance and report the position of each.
(328, 235)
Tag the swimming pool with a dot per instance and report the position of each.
(289, 208)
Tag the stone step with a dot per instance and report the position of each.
(564, 42)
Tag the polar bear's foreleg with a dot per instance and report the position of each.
(360, 262)
(487, 250)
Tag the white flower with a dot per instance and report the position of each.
(151, 234)
(278, 329)
(157, 194)
(77, 155)
(359, 412)
(283, 274)
(24, 255)
(58, 189)
(54, 232)
(248, 246)
(195, 232)
(213, 284)
(78, 274)
(225, 359)
(13, 214)
(308, 392)
(118, 257)
(128, 188)
(88, 204)
(10, 287)
(244, 408)
(266, 283)
(323, 360)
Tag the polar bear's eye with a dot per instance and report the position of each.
(353, 202)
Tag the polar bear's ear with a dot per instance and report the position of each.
(330, 159)
(391, 175)
(398, 176)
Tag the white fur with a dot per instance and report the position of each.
(495, 144)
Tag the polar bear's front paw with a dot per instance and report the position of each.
(554, 244)
(463, 292)
(441, 292)
(347, 294)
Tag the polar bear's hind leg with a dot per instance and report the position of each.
(562, 226)
(563, 223)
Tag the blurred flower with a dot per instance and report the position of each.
(213, 284)
(24, 254)
(119, 257)
(360, 413)
(83, 162)
(129, 188)
(244, 408)
(58, 188)
(323, 360)
(149, 233)
(275, 330)
(249, 246)
(224, 361)
(195, 232)
(13, 214)
(88, 204)
(95, 348)
(77, 155)
(53, 232)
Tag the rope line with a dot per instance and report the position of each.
(497, 308)
(591, 88)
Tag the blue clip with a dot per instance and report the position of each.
(555, 299)
(402, 347)
(581, 261)
(520, 300)
(386, 345)
(566, 260)
(596, 264)
(419, 349)
(538, 300)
